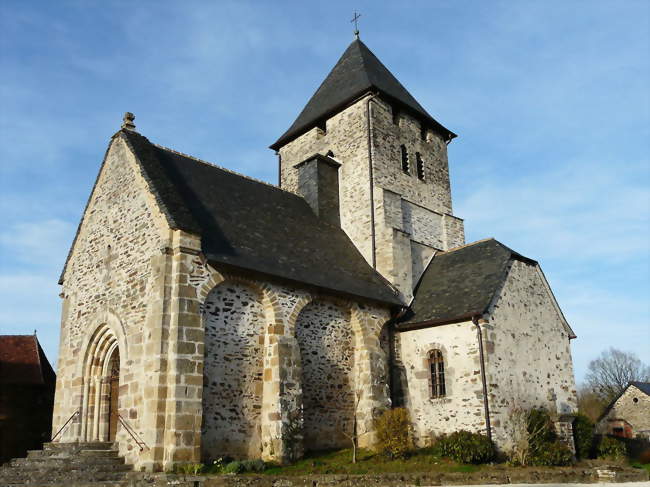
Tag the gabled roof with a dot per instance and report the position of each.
(461, 283)
(642, 386)
(254, 226)
(357, 72)
(22, 361)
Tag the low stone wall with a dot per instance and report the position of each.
(489, 476)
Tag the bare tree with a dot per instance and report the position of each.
(354, 437)
(610, 373)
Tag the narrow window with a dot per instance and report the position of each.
(395, 111)
(423, 131)
(405, 159)
(419, 165)
(437, 370)
(322, 124)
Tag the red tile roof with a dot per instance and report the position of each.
(22, 361)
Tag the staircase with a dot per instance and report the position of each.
(67, 465)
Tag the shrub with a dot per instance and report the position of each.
(465, 447)
(555, 454)
(189, 468)
(394, 438)
(583, 435)
(254, 465)
(610, 447)
(233, 467)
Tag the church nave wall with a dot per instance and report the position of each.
(326, 344)
(234, 321)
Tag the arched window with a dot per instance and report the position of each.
(419, 165)
(405, 159)
(437, 371)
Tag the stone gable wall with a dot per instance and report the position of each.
(115, 286)
(528, 354)
(462, 406)
(634, 407)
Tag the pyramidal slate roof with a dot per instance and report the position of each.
(357, 72)
(255, 226)
(461, 283)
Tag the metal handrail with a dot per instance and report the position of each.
(141, 444)
(66, 424)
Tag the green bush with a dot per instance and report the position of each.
(233, 467)
(583, 436)
(254, 465)
(394, 437)
(610, 447)
(465, 447)
(556, 454)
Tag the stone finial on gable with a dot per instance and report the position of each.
(127, 121)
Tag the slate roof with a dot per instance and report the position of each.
(357, 72)
(253, 225)
(643, 386)
(460, 283)
(22, 361)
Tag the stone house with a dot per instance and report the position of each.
(207, 314)
(628, 416)
(26, 395)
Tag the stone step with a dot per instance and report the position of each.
(99, 453)
(54, 462)
(96, 445)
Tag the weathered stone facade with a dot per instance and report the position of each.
(630, 411)
(409, 217)
(527, 363)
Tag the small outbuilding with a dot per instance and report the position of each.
(27, 383)
(628, 416)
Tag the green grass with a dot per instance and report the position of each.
(645, 466)
(340, 462)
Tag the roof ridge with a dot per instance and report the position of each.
(217, 166)
(460, 247)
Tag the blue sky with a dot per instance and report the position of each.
(550, 99)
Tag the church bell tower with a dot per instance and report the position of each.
(390, 155)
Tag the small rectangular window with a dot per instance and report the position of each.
(423, 132)
(405, 159)
(419, 163)
(395, 111)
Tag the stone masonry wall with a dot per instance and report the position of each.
(113, 272)
(634, 407)
(462, 406)
(232, 399)
(528, 354)
(325, 338)
(340, 351)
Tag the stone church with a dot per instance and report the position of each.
(207, 314)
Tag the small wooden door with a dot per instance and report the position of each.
(114, 393)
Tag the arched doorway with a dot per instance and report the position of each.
(101, 383)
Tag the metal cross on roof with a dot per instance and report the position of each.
(356, 25)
